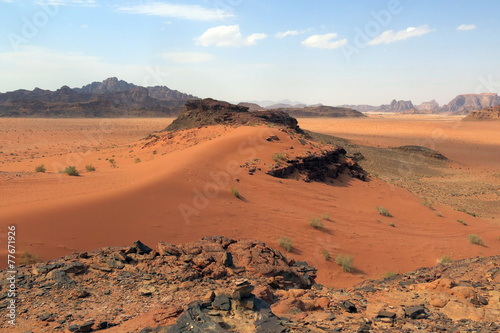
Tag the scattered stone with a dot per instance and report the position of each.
(348, 306)
(141, 248)
(386, 314)
(86, 327)
(415, 312)
(243, 289)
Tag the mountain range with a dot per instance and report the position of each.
(110, 98)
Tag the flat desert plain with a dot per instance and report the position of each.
(178, 188)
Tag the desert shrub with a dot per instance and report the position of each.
(384, 211)
(285, 243)
(137, 160)
(428, 203)
(71, 171)
(345, 261)
(236, 193)
(325, 254)
(439, 214)
(444, 260)
(325, 216)
(27, 258)
(280, 157)
(113, 162)
(475, 239)
(461, 221)
(315, 222)
(90, 168)
(389, 274)
(392, 225)
(40, 168)
(463, 210)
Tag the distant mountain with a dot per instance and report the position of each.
(398, 107)
(110, 98)
(492, 113)
(284, 105)
(361, 107)
(463, 104)
(321, 111)
(428, 107)
(252, 107)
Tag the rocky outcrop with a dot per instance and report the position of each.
(193, 287)
(492, 113)
(110, 98)
(322, 111)
(326, 166)
(463, 104)
(398, 107)
(428, 107)
(212, 112)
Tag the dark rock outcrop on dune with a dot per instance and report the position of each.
(212, 112)
(219, 284)
(320, 167)
(492, 113)
(463, 104)
(110, 98)
(321, 111)
(424, 151)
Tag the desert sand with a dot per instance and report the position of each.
(178, 190)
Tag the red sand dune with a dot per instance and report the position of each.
(56, 214)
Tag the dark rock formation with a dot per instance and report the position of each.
(492, 113)
(398, 106)
(428, 107)
(212, 112)
(110, 98)
(424, 151)
(320, 167)
(252, 107)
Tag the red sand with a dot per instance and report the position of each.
(57, 214)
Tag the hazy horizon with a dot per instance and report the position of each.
(331, 53)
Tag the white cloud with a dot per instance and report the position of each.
(187, 57)
(465, 27)
(324, 41)
(390, 36)
(289, 33)
(188, 12)
(228, 35)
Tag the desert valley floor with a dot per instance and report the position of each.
(141, 186)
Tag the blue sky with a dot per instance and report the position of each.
(322, 51)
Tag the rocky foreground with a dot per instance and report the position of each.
(223, 285)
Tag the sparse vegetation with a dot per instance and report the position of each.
(27, 258)
(236, 193)
(325, 216)
(113, 162)
(461, 221)
(345, 261)
(439, 214)
(137, 160)
(280, 157)
(71, 171)
(444, 260)
(467, 212)
(325, 254)
(428, 203)
(315, 222)
(389, 274)
(475, 239)
(40, 168)
(285, 243)
(154, 152)
(90, 168)
(392, 225)
(384, 211)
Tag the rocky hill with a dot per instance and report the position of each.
(212, 112)
(492, 113)
(219, 284)
(398, 107)
(463, 104)
(428, 107)
(110, 98)
(252, 107)
(321, 111)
